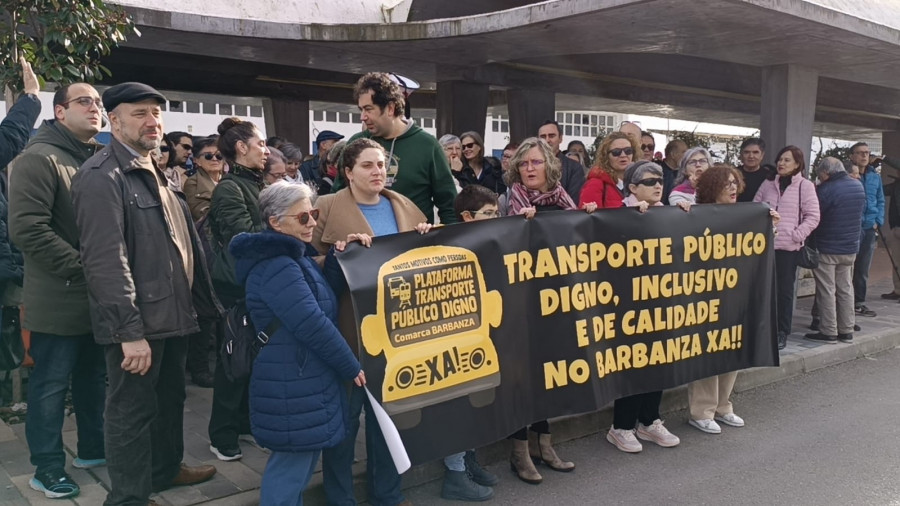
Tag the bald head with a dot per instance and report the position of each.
(631, 130)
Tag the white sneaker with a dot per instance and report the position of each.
(658, 433)
(708, 426)
(624, 440)
(731, 419)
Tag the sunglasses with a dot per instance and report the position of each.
(619, 151)
(86, 102)
(468, 145)
(164, 149)
(304, 217)
(645, 147)
(210, 156)
(650, 181)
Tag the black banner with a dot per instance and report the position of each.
(472, 331)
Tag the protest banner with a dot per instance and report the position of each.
(473, 331)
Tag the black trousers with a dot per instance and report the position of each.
(199, 343)
(642, 408)
(542, 427)
(144, 422)
(785, 278)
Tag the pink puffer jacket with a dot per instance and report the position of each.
(798, 207)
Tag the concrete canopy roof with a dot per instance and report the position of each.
(695, 56)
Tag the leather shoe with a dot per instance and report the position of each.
(891, 296)
(192, 475)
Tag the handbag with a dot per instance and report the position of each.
(12, 349)
(809, 255)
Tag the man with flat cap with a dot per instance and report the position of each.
(147, 281)
(311, 170)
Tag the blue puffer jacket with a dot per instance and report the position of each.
(297, 395)
(842, 200)
(874, 212)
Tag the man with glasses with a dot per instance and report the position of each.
(572, 172)
(42, 225)
(873, 217)
(180, 164)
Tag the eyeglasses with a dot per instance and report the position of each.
(187, 147)
(210, 156)
(537, 164)
(468, 145)
(648, 147)
(619, 151)
(732, 183)
(86, 102)
(650, 181)
(697, 163)
(489, 214)
(304, 217)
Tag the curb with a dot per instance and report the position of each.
(579, 426)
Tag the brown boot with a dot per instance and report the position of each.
(541, 449)
(521, 464)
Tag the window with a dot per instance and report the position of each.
(355, 118)
(318, 115)
(226, 109)
(240, 110)
(192, 107)
(256, 111)
(208, 108)
(330, 116)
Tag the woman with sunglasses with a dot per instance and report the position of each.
(604, 187)
(198, 188)
(638, 415)
(477, 168)
(297, 395)
(694, 162)
(361, 210)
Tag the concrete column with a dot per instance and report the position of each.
(461, 107)
(288, 118)
(890, 175)
(527, 110)
(788, 108)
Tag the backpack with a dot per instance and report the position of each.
(242, 342)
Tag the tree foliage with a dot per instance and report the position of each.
(63, 39)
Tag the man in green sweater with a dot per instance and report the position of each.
(42, 225)
(417, 166)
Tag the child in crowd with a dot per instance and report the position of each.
(465, 479)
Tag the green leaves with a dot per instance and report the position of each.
(63, 40)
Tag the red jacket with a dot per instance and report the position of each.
(600, 188)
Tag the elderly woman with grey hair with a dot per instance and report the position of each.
(693, 163)
(638, 415)
(297, 400)
(452, 147)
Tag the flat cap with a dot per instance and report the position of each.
(127, 93)
(327, 135)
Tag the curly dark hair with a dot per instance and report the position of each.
(351, 152)
(384, 91)
(714, 180)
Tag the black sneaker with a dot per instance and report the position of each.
(856, 328)
(862, 310)
(822, 338)
(814, 325)
(226, 453)
(845, 338)
(782, 340)
(55, 484)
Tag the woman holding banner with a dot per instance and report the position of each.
(362, 210)
(708, 398)
(639, 414)
(794, 196)
(534, 187)
(297, 402)
(603, 184)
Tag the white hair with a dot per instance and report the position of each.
(277, 198)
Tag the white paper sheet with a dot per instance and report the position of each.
(391, 436)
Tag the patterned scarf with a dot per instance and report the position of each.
(521, 197)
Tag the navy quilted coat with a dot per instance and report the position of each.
(297, 395)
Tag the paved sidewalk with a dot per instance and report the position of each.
(237, 483)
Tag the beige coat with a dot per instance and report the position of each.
(198, 191)
(339, 216)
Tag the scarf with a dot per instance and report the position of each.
(521, 197)
(784, 182)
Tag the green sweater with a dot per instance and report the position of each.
(42, 226)
(422, 172)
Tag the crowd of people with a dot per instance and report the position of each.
(131, 253)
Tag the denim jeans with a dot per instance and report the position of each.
(56, 358)
(862, 263)
(286, 476)
(382, 479)
(144, 422)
